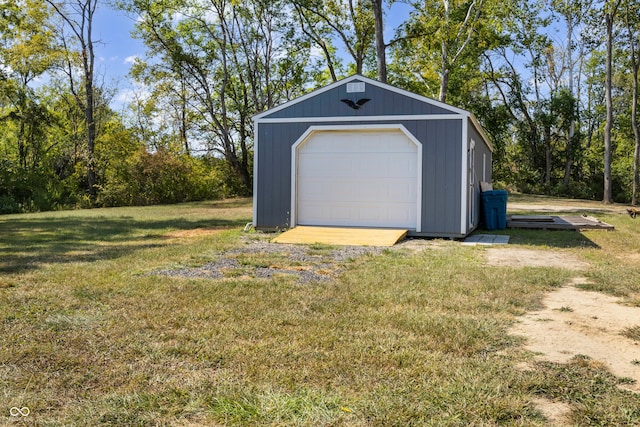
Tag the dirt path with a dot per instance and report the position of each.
(588, 323)
(574, 322)
(575, 206)
(517, 257)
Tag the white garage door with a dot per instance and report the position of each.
(357, 178)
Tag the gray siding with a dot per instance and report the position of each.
(273, 158)
(383, 102)
(481, 148)
(483, 161)
(441, 175)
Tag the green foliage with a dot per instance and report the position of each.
(29, 190)
(211, 67)
(441, 49)
(162, 177)
(327, 22)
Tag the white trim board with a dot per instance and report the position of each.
(255, 174)
(398, 117)
(464, 218)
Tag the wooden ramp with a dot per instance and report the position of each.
(342, 236)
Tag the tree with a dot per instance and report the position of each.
(320, 35)
(632, 23)
(161, 114)
(573, 13)
(352, 22)
(232, 59)
(515, 72)
(443, 37)
(77, 17)
(381, 48)
(610, 11)
(28, 52)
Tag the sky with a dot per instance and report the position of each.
(117, 49)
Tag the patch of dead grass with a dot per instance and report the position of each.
(594, 326)
(197, 232)
(510, 256)
(555, 412)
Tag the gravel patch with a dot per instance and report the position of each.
(306, 263)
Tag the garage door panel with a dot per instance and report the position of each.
(399, 214)
(357, 179)
(317, 213)
(313, 211)
(400, 165)
(360, 216)
(399, 192)
(324, 191)
(355, 165)
(354, 142)
(316, 164)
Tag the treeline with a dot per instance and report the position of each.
(554, 83)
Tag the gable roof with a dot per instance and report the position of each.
(446, 108)
(437, 107)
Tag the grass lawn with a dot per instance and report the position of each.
(92, 334)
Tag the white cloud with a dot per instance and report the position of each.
(131, 59)
(316, 52)
(126, 96)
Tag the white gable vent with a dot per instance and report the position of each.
(355, 87)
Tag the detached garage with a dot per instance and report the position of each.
(360, 153)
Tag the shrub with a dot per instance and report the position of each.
(163, 177)
(8, 205)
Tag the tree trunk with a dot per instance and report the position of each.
(568, 163)
(547, 156)
(80, 20)
(569, 153)
(184, 125)
(632, 22)
(636, 133)
(22, 147)
(380, 46)
(444, 73)
(91, 139)
(607, 197)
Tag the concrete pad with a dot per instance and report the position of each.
(341, 236)
(486, 239)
